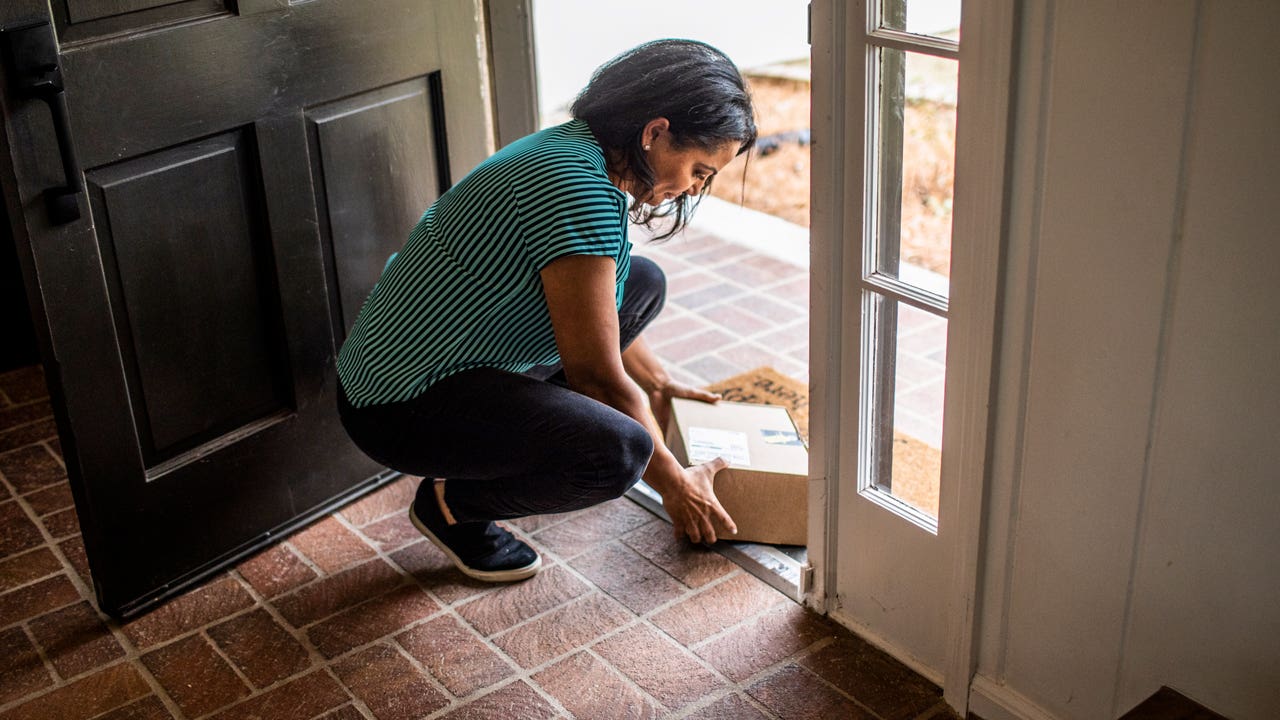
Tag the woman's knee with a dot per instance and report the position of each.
(646, 293)
(633, 447)
(637, 449)
(646, 285)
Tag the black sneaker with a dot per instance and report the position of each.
(482, 550)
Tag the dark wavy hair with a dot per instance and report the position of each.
(693, 85)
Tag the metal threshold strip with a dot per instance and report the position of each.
(780, 566)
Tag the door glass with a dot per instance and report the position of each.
(936, 18)
(903, 384)
(906, 253)
(916, 109)
(921, 354)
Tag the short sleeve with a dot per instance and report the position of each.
(569, 209)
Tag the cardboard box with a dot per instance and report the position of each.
(765, 487)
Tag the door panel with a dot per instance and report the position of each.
(185, 249)
(80, 20)
(246, 178)
(80, 11)
(161, 89)
(374, 176)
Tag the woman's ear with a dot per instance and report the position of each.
(653, 129)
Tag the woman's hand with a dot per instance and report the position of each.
(580, 298)
(644, 367)
(660, 399)
(693, 506)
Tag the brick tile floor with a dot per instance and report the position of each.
(729, 309)
(358, 616)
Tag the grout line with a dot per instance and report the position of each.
(626, 679)
(640, 619)
(83, 590)
(937, 711)
(132, 655)
(19, 427)
(135, 657)
(361, 709)
(769, 670)
(48, 665)
(591, 589)
(730, 686)
(217, 650)
(318, 660)
(414, 662)
(43, 400)
(714, 698)
(9, 484)
(356, 702)
(287, 545)
(740, 625)
(446, 609)
(450, 610)
(551, 662)
(37, 580)
(519, 674)
(690, 654)
(838, 691)
(645, 619)
(496, 687)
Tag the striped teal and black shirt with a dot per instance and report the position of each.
(465, 291)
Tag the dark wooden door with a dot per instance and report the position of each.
(247, 168)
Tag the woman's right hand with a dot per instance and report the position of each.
(693, 506)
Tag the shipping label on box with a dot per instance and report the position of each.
(765, 487)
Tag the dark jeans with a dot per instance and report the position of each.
(512, 444)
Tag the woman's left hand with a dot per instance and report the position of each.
(660, 399)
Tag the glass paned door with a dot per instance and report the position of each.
(912, 72)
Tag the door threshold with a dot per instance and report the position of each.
(778, 565)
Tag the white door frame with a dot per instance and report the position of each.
(513, 70)
(986, 57)
(983, 148)
(826, 259)
(465, 52)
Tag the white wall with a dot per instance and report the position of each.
(1134, 500)
(574, 37)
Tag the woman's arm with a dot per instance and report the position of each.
(645, 368)
(581, 291)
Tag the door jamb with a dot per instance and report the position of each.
(467, 80)
(826, 186)
(983, 153)
(513, 70)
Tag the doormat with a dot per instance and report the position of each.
(916, 466)
(770, 387)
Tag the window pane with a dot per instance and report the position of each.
(917, 408)
(908, 349)
(937, 18)
(915, 160)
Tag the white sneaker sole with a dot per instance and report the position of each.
(494, 576)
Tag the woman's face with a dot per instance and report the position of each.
(678, 170)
